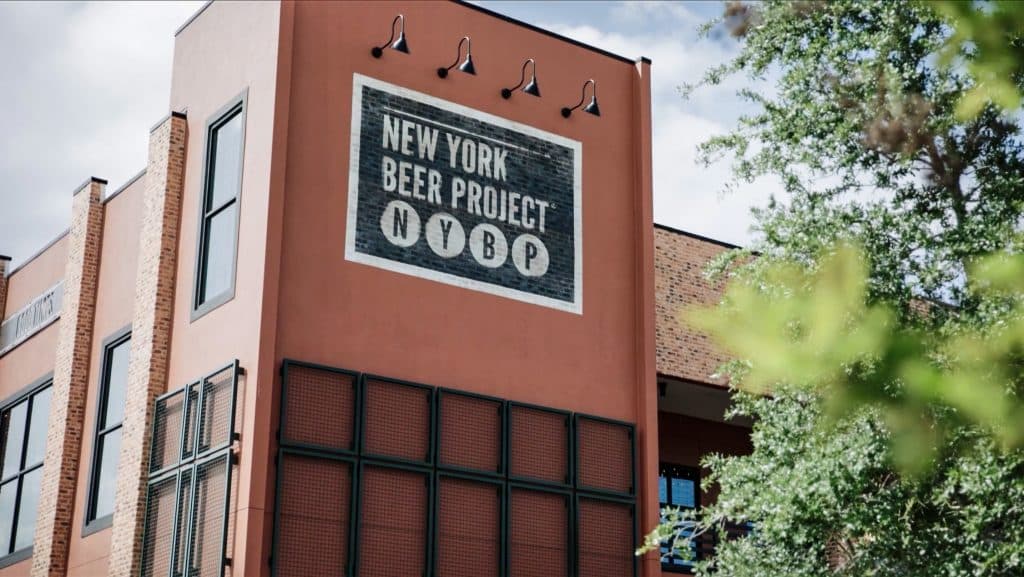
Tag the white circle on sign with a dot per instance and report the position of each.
(530, 255)
(400, 223)
(445, 235)
(488, 245)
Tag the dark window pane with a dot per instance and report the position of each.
(27, 510)
(218, 253)
(37, 428)
(117, 377)
(224, 173)
(13, 438)
(8, 493)
(106, 476)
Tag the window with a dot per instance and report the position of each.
(679, 487)
(188, 493)
(379, 477)
(23, 440)
(218, 229)
(107, 440)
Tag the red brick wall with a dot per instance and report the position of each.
(679, 261)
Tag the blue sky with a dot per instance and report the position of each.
(90, 78)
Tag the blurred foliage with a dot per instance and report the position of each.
(879, 333)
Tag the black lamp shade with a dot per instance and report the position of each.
(467, 65)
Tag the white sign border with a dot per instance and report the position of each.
(358, 82)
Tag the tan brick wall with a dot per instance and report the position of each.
(151, 335)
(5, 262)
(70, 382)
(679, 261)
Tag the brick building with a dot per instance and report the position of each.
(247, 361)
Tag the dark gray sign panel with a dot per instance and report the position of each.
(451, 194)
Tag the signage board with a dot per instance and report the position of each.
(32, 318)
(448, 193)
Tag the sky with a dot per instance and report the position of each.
(83, 83)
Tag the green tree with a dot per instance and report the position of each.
(890, 442)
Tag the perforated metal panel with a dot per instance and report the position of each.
(320, 408)
(393, 516)
(444, 483)
(206, 544)
(539, 444)
(604, 453)
(605, 533)
(314, 500)
(215, 420)
(166, 449)
(468, 528)
(159, 529)
(538, 533)
(470, 429)
(397, 420)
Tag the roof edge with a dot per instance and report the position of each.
(546, 32)
(38, 253)
(696, 236)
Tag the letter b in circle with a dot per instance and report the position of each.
(488, 245)
(400, 224)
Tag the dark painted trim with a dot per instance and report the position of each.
(124, 186)
(163, 119)
(89, 526)
(89, 181)
(199, 310)
(5, 257)
(667, 228)
(38, 253)
(545, 32)
(193, 17)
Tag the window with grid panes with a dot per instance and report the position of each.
(22, 447)
(679, 487)
(107, 440)
(218, 233)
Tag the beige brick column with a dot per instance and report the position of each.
(70, 380)
(151, 335)
(5, 262)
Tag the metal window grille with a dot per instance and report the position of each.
(382, 477)
(188, 496)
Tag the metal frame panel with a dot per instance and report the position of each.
(433, 470)
(192, 463)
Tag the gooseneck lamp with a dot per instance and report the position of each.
(531, 87)
(400, 44)
(467, 64)
(590, 107)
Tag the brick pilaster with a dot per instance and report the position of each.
(70, 381)
(151, 336)
(5, 261)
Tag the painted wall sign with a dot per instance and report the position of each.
(32, 318)
(448, 193)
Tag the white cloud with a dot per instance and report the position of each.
(687, 195)
(88, 82)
